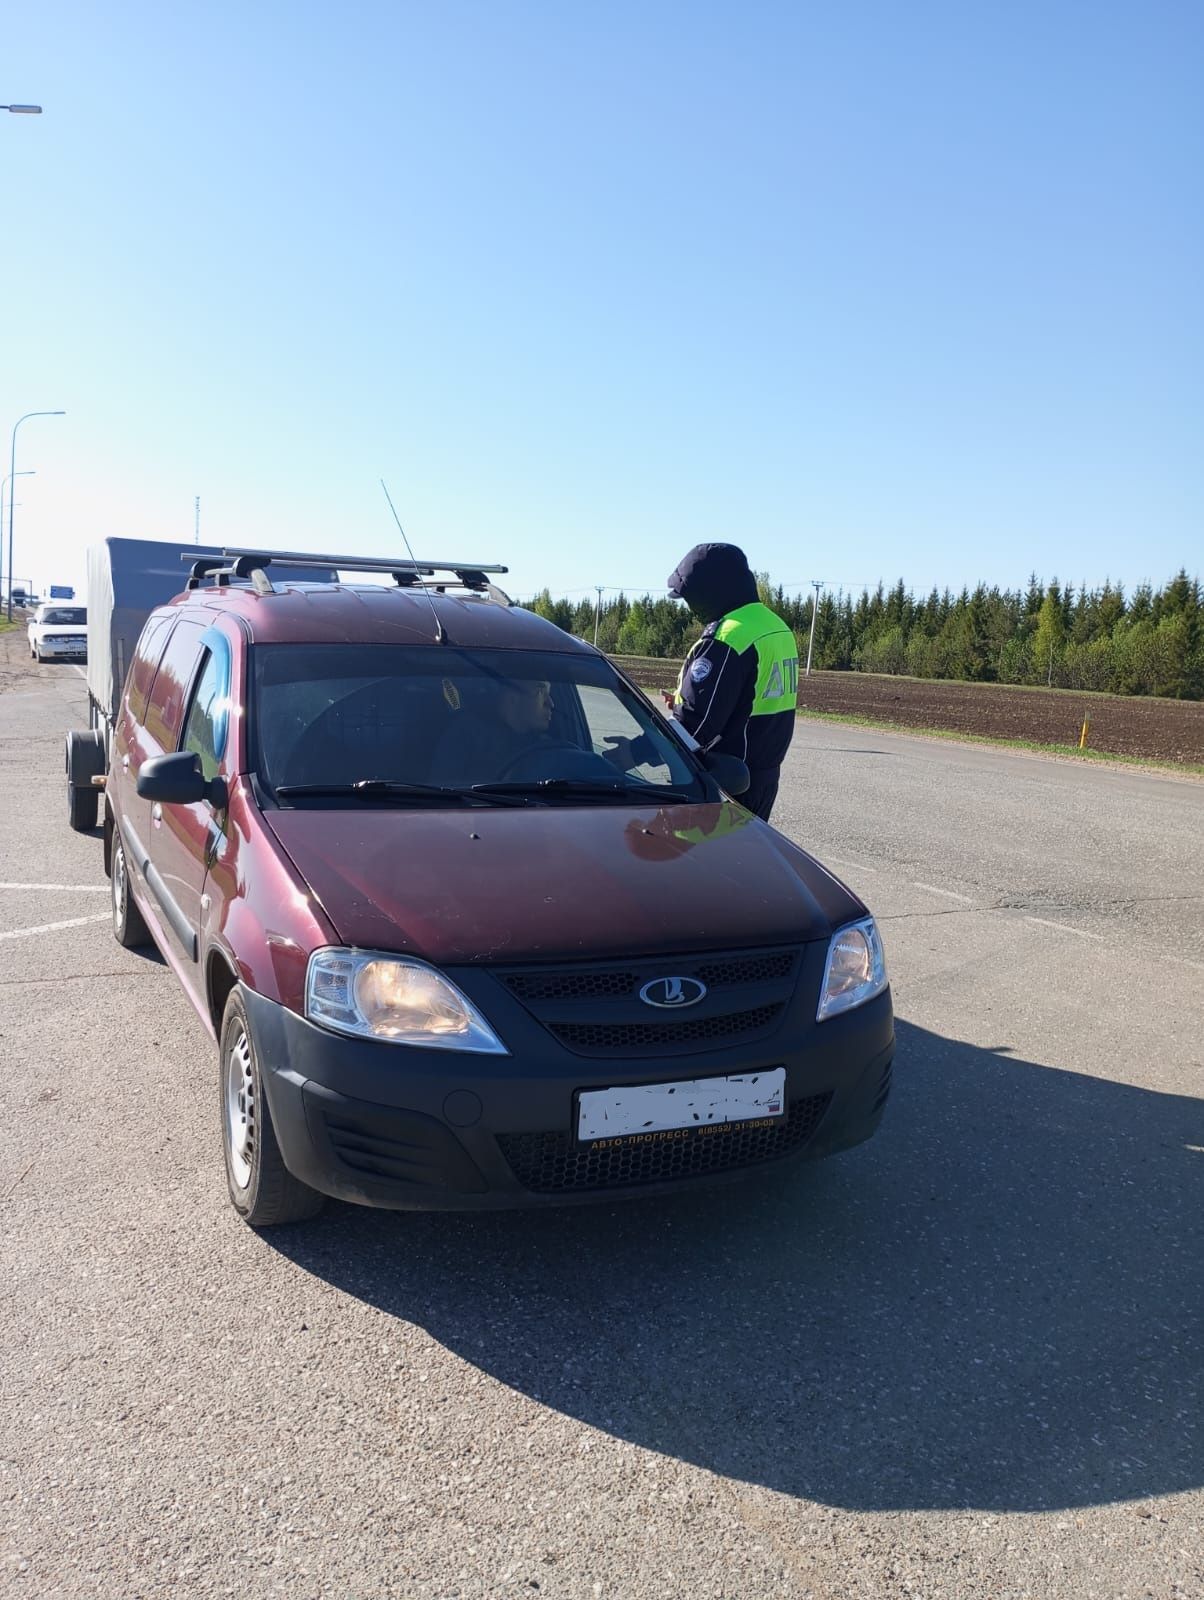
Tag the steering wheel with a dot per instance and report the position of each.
(586, 762)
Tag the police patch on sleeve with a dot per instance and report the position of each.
(700, 670)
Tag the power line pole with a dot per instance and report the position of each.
(597, 613)
(196, 526)
(817, 584)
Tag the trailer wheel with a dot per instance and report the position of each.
(85, 760)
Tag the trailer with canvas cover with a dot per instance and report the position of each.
(126, 580)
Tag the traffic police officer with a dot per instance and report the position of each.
(739, 686)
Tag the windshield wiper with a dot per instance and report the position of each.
(601, 788)
(387, 789)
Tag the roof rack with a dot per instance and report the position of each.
(251, 565)
(245, 567)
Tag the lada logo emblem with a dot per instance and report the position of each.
(673, 993)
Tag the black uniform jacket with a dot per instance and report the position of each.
(718, 685)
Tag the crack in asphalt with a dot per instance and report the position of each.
(1090, 905)
(945, 911)
(74, 977)
(1063, 907)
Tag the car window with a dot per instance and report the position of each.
(337, 714)
(205, 726)
(64, 616)
(609, 720)
(146, 662)
(165, 707)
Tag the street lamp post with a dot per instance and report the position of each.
(28, 111)
(30, 473)
(12, 472)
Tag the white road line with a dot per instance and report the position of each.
(1064, 927)
(80, 670)
(931, 888)
(858, 866)
(65, 888)
(53, 927)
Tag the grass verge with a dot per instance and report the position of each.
(1068, 751)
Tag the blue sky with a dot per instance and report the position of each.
(876, 290)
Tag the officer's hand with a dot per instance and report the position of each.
(669, 698)
(619, 753)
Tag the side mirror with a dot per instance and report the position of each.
(177, 780)
(729, 772)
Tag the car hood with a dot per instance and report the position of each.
(559, 882)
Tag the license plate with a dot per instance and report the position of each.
(690, 1108)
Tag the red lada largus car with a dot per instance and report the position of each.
(472, 924)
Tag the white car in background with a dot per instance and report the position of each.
(59, 633)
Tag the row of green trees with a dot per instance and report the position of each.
(1148, 642)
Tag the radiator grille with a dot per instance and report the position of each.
(610, 1038)
(614, 983)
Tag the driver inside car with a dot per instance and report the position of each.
(516, 743)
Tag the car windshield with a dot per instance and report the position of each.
(442, 722)
(61, 615)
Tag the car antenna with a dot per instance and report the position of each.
(440, 635)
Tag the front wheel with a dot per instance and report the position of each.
(262, 1189)
(129, 929)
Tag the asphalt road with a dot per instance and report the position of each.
(963, 1361)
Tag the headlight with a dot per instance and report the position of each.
(396, 999)
(856, 969)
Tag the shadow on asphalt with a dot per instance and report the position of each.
(148, 953)
(846, 750)
(996, 1303)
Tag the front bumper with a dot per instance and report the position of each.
(411, 1129)
(63, 649)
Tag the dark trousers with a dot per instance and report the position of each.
(762, 791)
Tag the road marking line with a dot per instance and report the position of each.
(67, 888)
(931, 888)
(53, 927)
(840, 861)
(80, 670)
(1064, 927)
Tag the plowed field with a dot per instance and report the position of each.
(1160, 730)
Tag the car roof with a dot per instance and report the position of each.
(340, 613)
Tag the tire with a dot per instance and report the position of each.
(129, 929)
(82, 808)
(262, 1189)
(84, 760)
(37, 655)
